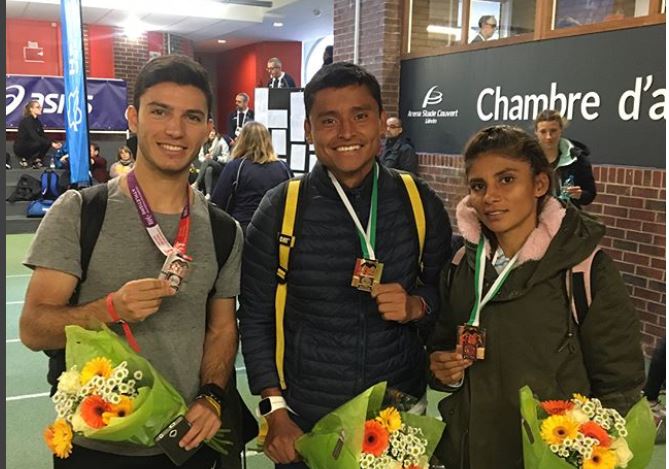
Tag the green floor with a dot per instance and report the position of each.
(26, 371)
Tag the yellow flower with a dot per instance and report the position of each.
(122, 409)
(99, 366)
(390, 419)
(558, 427)
(580, 397)
(58, 437)
(602, 458)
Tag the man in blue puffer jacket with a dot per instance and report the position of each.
(339, 339)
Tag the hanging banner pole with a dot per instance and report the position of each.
(74, 78)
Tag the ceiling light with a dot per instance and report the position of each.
(277, 24)
(221, 41)
(133, 28)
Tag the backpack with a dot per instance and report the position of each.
(93, 208)
(49, 185)
(27, 188)
(38, 208)
(578, 283)
(286, 239)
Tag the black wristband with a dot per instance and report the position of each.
(214, 391)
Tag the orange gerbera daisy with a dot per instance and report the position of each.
(593, 430)
(557, 407)
(99, 366)
(376, 438)
(122, 409)
(92, 409)
(58, 437)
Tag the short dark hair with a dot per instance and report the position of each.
(244, 96)
(484, 19)
(175, 68)
(550, 115)
(95, 146)
(510, 141)
(340, 75)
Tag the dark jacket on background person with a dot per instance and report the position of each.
(527, 340)
(337, 343)
(399, 153)
(573, 161)
(99, 169)
(232, 121)
(254, 181)
(31, 140)
(285, 81)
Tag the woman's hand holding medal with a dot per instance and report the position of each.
(395, 304)
(138, 299)
(449, 367)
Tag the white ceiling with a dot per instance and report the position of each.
(239, 25)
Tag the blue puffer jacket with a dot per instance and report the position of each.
(337, 343)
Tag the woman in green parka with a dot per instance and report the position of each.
(526, 242)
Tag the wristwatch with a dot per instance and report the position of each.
(269, 404)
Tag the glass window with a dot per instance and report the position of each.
(435, 23)
(490, 20)
(568, 13)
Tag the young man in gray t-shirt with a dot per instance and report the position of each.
(188, 335)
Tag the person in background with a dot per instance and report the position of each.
(277, 77)
(340, 339)
(657, 376)
(214, 154)
(253, 171)
(124, 162)
(523, 242)
(398, 151)
(32, 145)
(240, 116)
(328, 55)
(99, 172)
(487, 28)
(569, 159)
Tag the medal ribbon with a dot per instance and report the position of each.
(151, 224)
(368, 237)
(479, 275)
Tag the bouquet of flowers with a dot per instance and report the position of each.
(580, 433)
(365, 434)
(110, 393)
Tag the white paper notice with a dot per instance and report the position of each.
(312, 161)
(297, 157)
(261, 105)
(279, 141)
(277, 119)
(297, 117)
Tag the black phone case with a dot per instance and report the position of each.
(168, 441)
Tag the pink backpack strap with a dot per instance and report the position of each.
(457, 257)
(585, 268)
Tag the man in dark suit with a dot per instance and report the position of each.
(277, 77)
(240, 116)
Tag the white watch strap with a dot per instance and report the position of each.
(276, 403)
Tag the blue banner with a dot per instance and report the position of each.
(74, 77)
(107, 101)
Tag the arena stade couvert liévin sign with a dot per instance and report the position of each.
(611, 87)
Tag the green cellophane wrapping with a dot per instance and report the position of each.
(537, 454)
(157, 403)
(344, 427)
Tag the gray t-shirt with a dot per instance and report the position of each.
(171, 339)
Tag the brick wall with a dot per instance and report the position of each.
(379, 43)
(630, 202)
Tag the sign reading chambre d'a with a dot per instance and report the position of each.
(610, 86)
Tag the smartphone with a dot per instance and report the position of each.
(168, 440)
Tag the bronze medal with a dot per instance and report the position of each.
(366, 274)
(472, 341)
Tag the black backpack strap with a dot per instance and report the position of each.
(93, 208)
(224, 231)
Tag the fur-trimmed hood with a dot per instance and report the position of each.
(563, 237)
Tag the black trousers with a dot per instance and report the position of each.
(31, 151)
(84, 458)
(657, 373)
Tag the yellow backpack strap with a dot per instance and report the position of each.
(286, 242)
(418, 212)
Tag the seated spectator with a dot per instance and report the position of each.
(573, 172)
(253, 170)
(398, 151)
(32, 145)
(99, 172)
(124, 162)
(213, 155)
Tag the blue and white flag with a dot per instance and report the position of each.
(74, 77)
